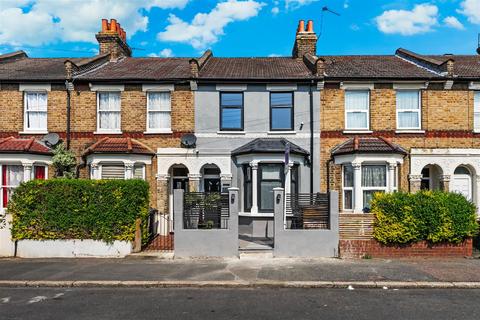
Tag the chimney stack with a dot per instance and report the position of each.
(305, 40)
(113, 39)
(478, 46)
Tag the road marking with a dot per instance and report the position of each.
(5, 300)
(58, 295)
(37, 299)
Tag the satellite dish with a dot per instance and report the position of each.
(188, 140)
(51, 139)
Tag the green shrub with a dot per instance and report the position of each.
(433, 216)
(78, 209)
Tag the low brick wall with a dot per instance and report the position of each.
(374, 249)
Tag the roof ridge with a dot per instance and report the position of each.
(29, 144)
(6, 139)
(129, 144)
(142, 144)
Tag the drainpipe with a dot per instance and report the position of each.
(68, 86)
(311, 135)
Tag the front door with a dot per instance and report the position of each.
(211, 185)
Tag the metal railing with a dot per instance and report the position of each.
(307, 211)
(202, 210)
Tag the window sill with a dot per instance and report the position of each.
(34, 132)
(357, 131)
(159, 132)
(107, 132)
(281, 132)
(256, 215)
(476, 131)
(232, 132)
(409, 131)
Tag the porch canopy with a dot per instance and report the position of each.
(369, 165)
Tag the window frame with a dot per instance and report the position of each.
(100, 130)
(158, 130)
(112, 164)
(357, 110)
(418, 111)
(351, 189)
(138, 164)
(221, 107)
(260, 180)
(476, 110)
(25, 111)
(382, 189)
(292, 111)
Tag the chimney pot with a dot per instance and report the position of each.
(113, 24)
(301, 26)
(104, 25)
(310, 26)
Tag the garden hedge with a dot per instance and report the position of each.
(434, 216)
(78, 209)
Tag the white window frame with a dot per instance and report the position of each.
(352, 189)
(418, 111)
(144, 167)
(109, 131)
(113, 164)
(159, 130)
(357, 110)
(25, 112)
(476, 110)
(387, 182)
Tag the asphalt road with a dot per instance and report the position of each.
(144, 303)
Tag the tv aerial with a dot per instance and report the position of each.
(325, 10)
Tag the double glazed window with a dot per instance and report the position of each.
(109, 112)
(357, 109)
(281, 111)
(158, 111)
(476, 110)
(270, 176)
(231, 111)
(408, 109)
(35, 111)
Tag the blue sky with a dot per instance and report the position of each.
(240, 27)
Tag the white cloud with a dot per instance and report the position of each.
(275, 10)
(47, 21)
(354, 27)
(274, 55)
(346, 5)
(206, 28)
(165, 53)
(471, 9)
(453, 23)
(293, 4)
(419, 20)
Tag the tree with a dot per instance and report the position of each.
(64, 162)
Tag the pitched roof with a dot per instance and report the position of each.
(19, 145)
(269, 145)
(141, 69)
(367, 145)
(282, 68)
(366, 67)
(118, 145)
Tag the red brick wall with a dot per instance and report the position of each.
(374, 249)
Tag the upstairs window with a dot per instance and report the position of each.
(158, 112)
(476, 111)
(357, 109)
(35, 118)
(231, 111)
(408, 109)
(281, 111)
(109, 112)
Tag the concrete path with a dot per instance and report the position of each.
(254, 271)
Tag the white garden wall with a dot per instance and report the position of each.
(72, 249)
(7, 246)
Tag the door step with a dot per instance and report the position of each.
(256, 254)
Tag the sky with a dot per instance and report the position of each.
(240, 28)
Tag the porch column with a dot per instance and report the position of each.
(445, 182)
(27, 170)
(194, 182)
(357, 187)
(288, 178)
(95, 171)
(129, 170)
(225, 181)
(415, 182)
(392, 166)
(254, 165)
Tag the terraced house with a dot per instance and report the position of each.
(306, 123)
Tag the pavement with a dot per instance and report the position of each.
(248, 272)
(230, 303)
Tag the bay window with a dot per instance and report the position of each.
(281, 111)
(374, 179)
(270, 176)
(476, 111)
(12, 175)
(231, 111)
(35, 116)
(109, 112)
(348, 187)
(408, 109)
(158, 112)
(113, 171)
(139, 171)
(357, 109)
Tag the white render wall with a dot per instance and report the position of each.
(72, 249)
(7, 246)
